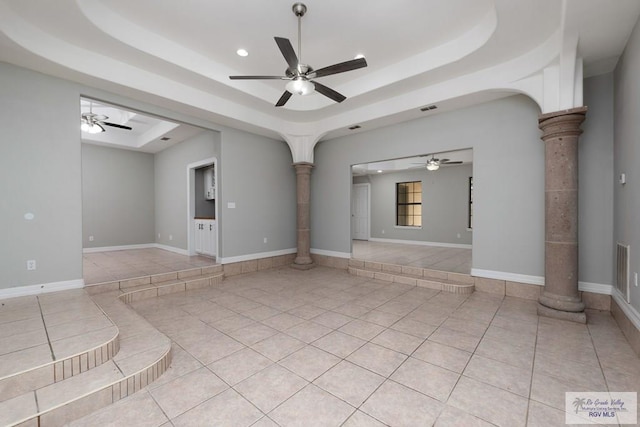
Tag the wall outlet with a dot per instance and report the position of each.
(91, 238)
(382, 231)
(265, 240)
(158, 235)
(31, 264)
(635, 279)
(170, 236)
(458, 235)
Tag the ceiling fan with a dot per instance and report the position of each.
(94, 123)
(434, 164)
(300, 75)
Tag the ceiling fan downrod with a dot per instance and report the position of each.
(299, 9)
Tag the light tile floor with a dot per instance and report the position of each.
(455, 260)
(324, 348)
(98, 267)
(36, 330)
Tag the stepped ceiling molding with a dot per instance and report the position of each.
(450, 54)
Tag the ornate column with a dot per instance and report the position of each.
(303, 259)
(561, 132)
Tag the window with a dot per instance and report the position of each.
(409, 204)
(470, 222)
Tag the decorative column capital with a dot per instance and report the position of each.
(562, 123)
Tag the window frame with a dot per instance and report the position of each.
(408, 204)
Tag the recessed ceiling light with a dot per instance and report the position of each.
(358, 56)
(242, 52)
(379, 170)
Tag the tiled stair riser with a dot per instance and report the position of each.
(107, 395)
(448, 282)
(57, 371)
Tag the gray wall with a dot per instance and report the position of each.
(40, 174)
(204, 208)
(171, 197)
(508, 173)
(627, 153)
(445, 195)
(117, 197)
(595, 194)
(258, 177)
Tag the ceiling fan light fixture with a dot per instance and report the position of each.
(242, 52)
(300, 86)
(433, 165)
(91, 127)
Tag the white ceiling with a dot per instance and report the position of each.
(179, 54)
(147, 134)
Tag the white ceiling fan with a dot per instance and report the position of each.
(434, 164)
(94, 123)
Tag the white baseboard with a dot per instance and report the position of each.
(335, 254)
(21, 291)
(632, 314)
(119, 248)
(250, 257)
(511, 277)
(421, 243)
(171, 249)
(596, 288)
(141, 246)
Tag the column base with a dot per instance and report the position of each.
(303, 263)
(572, 316)
(303, 266)
(561, 302)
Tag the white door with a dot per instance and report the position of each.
(360, 212)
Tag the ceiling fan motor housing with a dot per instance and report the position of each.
(299, 9)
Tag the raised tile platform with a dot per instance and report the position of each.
(70, 353)
(456, 283)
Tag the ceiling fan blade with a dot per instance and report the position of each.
(450, 163)
(115, 125)
(342, 67)
(284, 98)
(258, 78)
(329, 93)
(287, 51)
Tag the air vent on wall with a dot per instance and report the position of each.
(355, 127)
(165, 138)
(429, 107)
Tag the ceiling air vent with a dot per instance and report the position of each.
(165, 138)
(355, 127)
(429, 107)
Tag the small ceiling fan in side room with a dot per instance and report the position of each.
(434, 164)
(301, 75)
(94, 123)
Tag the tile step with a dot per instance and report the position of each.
(155, 280)
(440, 280)
(143, 356)
(85, 344)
